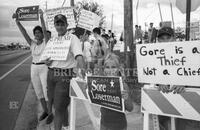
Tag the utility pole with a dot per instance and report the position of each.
(112, 23)
(71, 2)
(46, 11)
(128, 31)
(160, 12)
(137, 12)
(172, 15)
(188, 10)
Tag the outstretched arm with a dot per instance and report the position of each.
(43, 26)
(22, 30)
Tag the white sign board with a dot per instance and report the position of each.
(88, 20)
(57, 48)
(197, 35)
(194, 27)
(175, 63)
(67, 11)
(166, 24)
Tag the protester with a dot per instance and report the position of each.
(38, 69)
(110, 119)
(112, 42)
(104, 35)
(87, 50)
(100, 48)
(59, 83)
(166, 34)
(48, 34)
(138, 34)
(152, 34)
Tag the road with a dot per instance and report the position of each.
(14, 81)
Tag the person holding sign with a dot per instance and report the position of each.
(61, 71)
(166, 34)
(38, 69)
(110, 119)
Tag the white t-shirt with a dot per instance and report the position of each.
(36, 50)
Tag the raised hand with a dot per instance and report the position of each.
(164, 88)
(14, 16)
(40, 12)
(177, 89)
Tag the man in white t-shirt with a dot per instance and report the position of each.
(61, 71)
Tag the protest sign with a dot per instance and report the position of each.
(29, 13)
(67, 11)
(197, 35)
(176, 63)
(166, 24)
(88, 20)
(106, 91)
(194, 27)
(57, 48)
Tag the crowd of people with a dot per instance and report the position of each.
(52, 88)
(84, 54)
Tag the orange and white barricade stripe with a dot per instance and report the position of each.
(185, 105)
(78, 91)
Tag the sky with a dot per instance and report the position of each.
(147, 12)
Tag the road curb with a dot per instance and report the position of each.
(27, 118)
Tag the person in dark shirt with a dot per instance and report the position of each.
(110, 119)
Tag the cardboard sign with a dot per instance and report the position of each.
(166, 24)
(29, 13)
(88, 20)
(197, 35)
(67, 11)
(176, 63)
(57, 48)
(106, 91)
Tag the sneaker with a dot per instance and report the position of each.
(43, 116)
(65, 128)
(49, 119)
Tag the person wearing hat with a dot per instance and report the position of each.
(61, 72)
(38, 69)
(166, 34)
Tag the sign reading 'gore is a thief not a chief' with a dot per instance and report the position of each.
(175, 63)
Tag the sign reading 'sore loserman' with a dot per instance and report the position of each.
(106, 91)
(29, 13)
(176, 63)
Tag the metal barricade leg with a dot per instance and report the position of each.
(94, 120)
(72, 114)
(156, 125)
(146, 121)
(173, 125)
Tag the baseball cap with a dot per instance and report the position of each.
(165, 30)
(60, 17)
